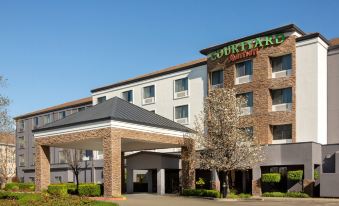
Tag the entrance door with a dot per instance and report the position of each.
(172, 181)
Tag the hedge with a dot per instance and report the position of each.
(201, 193)
(288, 194)
(90, 190)
(316, 175)
(14, 186)
(296, 175)
(57, 189)
(271, 177)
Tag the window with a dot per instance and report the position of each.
(217, 78)
(62, 114)
(128, 96)
(36, 122)
(21, 142)
(47, 119)
(62, 157)
(33, 159)
(282, 96)
(32, 179)
(21, 125)
(281, 63)
(181, 85)
(244, 68)
(58, 179)
(248, 131)
(101, 99)
(281, 132)
(152, 111)
(21, 160)
(181, 112)
(81, 109)
(148, 92)
(248, 97)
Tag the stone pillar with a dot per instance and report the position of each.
(42, 167)
(123, 181)
(188, 165)
(161, 181)
(215, 182)
(129, 186)
(112, 166)
(150, 181)
(308, 182)
(256, 181)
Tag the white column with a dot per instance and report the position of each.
(215, 180)
(129, 186)
(149, 181)
(161, 181)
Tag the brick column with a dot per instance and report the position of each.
(112, 166)
(42, 167)
(256, 181)
(188, 165)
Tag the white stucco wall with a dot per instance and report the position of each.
(164, 93)
(311, 91)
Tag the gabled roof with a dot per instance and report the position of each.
(119, 110)
(75, 103)
(179, 67)
(286, 28)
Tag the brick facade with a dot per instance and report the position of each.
(262, 116)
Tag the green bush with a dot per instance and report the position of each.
(271, 177)
(71, 188)
(244, 195)
(9, 195)
(57, 189)
(288, 194)
(316, 175)
(201, 193)
(12, 187)
(90, 190)
(297, 194)
(296, 175)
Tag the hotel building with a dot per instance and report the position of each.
(289, 77)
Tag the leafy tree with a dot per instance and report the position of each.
(224, 143)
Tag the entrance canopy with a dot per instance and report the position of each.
(113, 126)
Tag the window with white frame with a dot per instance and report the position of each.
(128, 96)
(247, 107)
(282, 99)
(244, 72)
(181, 88)
(21, 142)
(101, 99)
(47, 118)
(62, 114)
(217, 78)
(21, 125)
(21, 160)
(35, 122)
(281, 63)
(62, 157)
(149, 94)
(282, 132)
(181, 114)
(58, 179)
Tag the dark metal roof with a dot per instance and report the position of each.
(116, 109)
(286, 28)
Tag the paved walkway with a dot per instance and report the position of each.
(168, 200)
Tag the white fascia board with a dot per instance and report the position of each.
(110, 124)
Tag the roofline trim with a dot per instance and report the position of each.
(292, 27)
(200, 62)
(334, 47)
(311, 36)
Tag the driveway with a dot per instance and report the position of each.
(168, 200)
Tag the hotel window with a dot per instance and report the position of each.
(81, 109)
(21, 142)
(282, 99)
(62, 114)
(244, 72)
(281, 66)
(32, 179)
(247, 108)
(148, 95)
(21, 125)
(181, 88)
(21, 160)
(35, 122)
(62, 157)
(58, 179)
(47, 119)
(217, 78)
(181, 114)
(282, 132)
(128, 96)
(101, 99)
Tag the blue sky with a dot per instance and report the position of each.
(57, 51)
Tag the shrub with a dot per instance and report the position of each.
(90, 190)
(274, 194)
(244, 195)
(201, 193)
(316, 174)
(271, 177)
(71, 188)
(57, 189)
(26, 186)
(297, 194)
(296, 175)
(9, 195)
(12, 187)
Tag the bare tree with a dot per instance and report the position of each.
(7, 152)
(73, 158)
(221, 135)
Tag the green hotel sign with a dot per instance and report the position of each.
(246, 48)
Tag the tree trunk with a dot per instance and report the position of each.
(77, 181)
(227, 184)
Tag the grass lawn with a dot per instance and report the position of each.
(44, 199)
